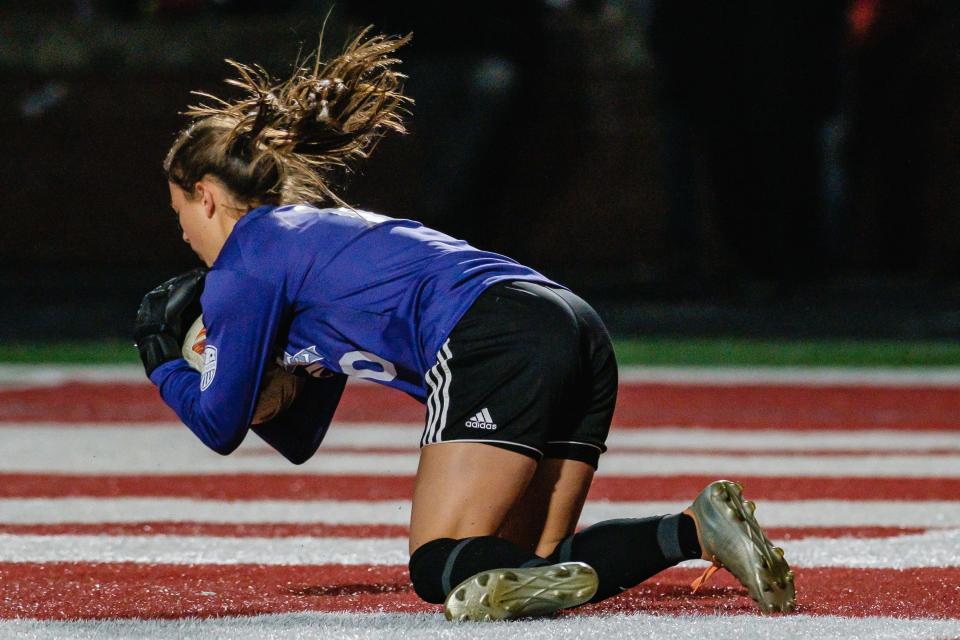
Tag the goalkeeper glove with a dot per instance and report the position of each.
(165, 315)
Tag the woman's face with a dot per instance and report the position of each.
(200, 229)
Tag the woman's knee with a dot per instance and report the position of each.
(426, 562)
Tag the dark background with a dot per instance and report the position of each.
(691, 167)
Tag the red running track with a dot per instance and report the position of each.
(63, 591)
(315, 487)
(287, 530)
(745, 407)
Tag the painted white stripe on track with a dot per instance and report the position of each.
(401, 626)
(931, 549)
(887, 466)
(794, 376)
(162, 462)
(771, 513)
(203, 550)
(105, 510)
(29, 375)
(423, 626)
(405, 437)
(151, 450)
(51, 375)
(680, 438)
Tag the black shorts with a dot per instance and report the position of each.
(528, 368)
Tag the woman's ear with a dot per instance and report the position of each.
(207, 197)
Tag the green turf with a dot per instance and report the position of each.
(786, 353)
(98, 352)
(648, 351)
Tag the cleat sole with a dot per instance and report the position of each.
(732, 535)
(517, 593)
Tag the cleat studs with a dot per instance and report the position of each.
(737, 486)
(750, 507)
(487, 618)
(460, 595)
(483, 579)
(485, 600)
(790, 576)
(464, 617)
(560, 572)
(779, 551)
(509, 575)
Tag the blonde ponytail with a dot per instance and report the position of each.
(283, 141)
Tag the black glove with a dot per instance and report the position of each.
(164, 317)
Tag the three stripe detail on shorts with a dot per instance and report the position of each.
(438, 379)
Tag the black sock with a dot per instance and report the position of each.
(623, 552)
(627, 552)
(689, 544)
(440, 565)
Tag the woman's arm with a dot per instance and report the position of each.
(242, 314)
(297, 432)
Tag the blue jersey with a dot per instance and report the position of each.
(329, 290)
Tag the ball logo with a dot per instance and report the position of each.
(209, 367)
(201, 342)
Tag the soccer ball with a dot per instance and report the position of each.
(278, 388)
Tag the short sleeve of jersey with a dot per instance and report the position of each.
(242, 315)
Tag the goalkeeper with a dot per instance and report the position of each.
(517, 372)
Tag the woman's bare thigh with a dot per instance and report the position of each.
(550, 508)
(465, 489)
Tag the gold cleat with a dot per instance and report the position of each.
(504, 594)
(731, 536)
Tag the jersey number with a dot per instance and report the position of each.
(376, 368)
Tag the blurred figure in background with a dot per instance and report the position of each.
(747, 89)
(904, 151)
(475, 72)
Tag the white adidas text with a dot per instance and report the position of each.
(473, 424)
(483, 420)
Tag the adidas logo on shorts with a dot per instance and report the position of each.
(481, 421)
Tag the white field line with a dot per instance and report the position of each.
(772, 513)
(405, 437)
(39, 375)
(795, 376)
(25, 375)
(680, 438)
(423, 626)
(152, 451)
(929, 549)
(202, 550)
(932, 549)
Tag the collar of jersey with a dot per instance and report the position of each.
(231, 239)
